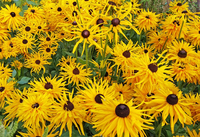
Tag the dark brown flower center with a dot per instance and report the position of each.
(176, 22)
(172, 99)
(48, 39)
(100, 22)
(106, 74)
(74, 13)
(126, 54)
(147, 17)
(68, 106)
(13, 14)
(21, 100)
(48, 85)
(136, 71)
(145, 51)
(25, 41)
(37, 62)
(98, 98)
(2, 89)
(68, 63)
(36, 105)
(62, 34)
(27, 28)
(90, 11)
(0, 50)
(76, 71)
(85, 33)
(74, 23)
(33, 11)
(150, 94)
(185, 11)
(48, 49)
(153, 67)
(122, 110)
(182, 53)
(11, 44)
(115, 22)
(179, 4)
(111, 3)
(39, 27)
(74, 3)
(59, 9)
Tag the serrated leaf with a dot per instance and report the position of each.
(24, 80)
(14, 73)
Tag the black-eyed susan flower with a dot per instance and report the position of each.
(75, 74)
(48, 39)
(175, 26)
(84, 32)
(123, 89)
(145, 49)
(178, 6)
(181, 52)
(36, 62)
(34, 13)
(11, 48)
(13, 103)
(48, 50)
(5, 71)
(17, 64)
(170, 102)
(6, 89)
(35, 110)
(11, 16)
(150, 71)
(64, 62)
(124, 55)
(47, 85)
(68, 112)
(116, 117)
(183, 72)
(147, 20)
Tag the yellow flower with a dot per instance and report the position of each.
(5, 71)
(36, 62)
(35, 110)
(147, 20)
(116, 117)
(11, 16)
(67, 112)
(17, 64)
(75, 74)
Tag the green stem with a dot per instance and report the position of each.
(180, 30)
(86, 52)
(140, 38)
(119, 73)
(78, 5)
(159, 133)
(177, 130)
(164, 44)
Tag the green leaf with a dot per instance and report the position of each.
(25, 7)
(17, 2)
(82, 61)
(2, 129)
(31, 2)
(45, 132)
(14, 73)
(24, 80)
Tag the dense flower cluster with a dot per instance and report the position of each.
(87, 61)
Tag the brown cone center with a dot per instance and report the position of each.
(126, 54)
(98, 98)
(115, 22)
(182, 53)
(69, 106)
(172, 99)
(122, 110)
(153, 67)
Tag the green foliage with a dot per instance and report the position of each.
(24, 80)
(8, 131)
